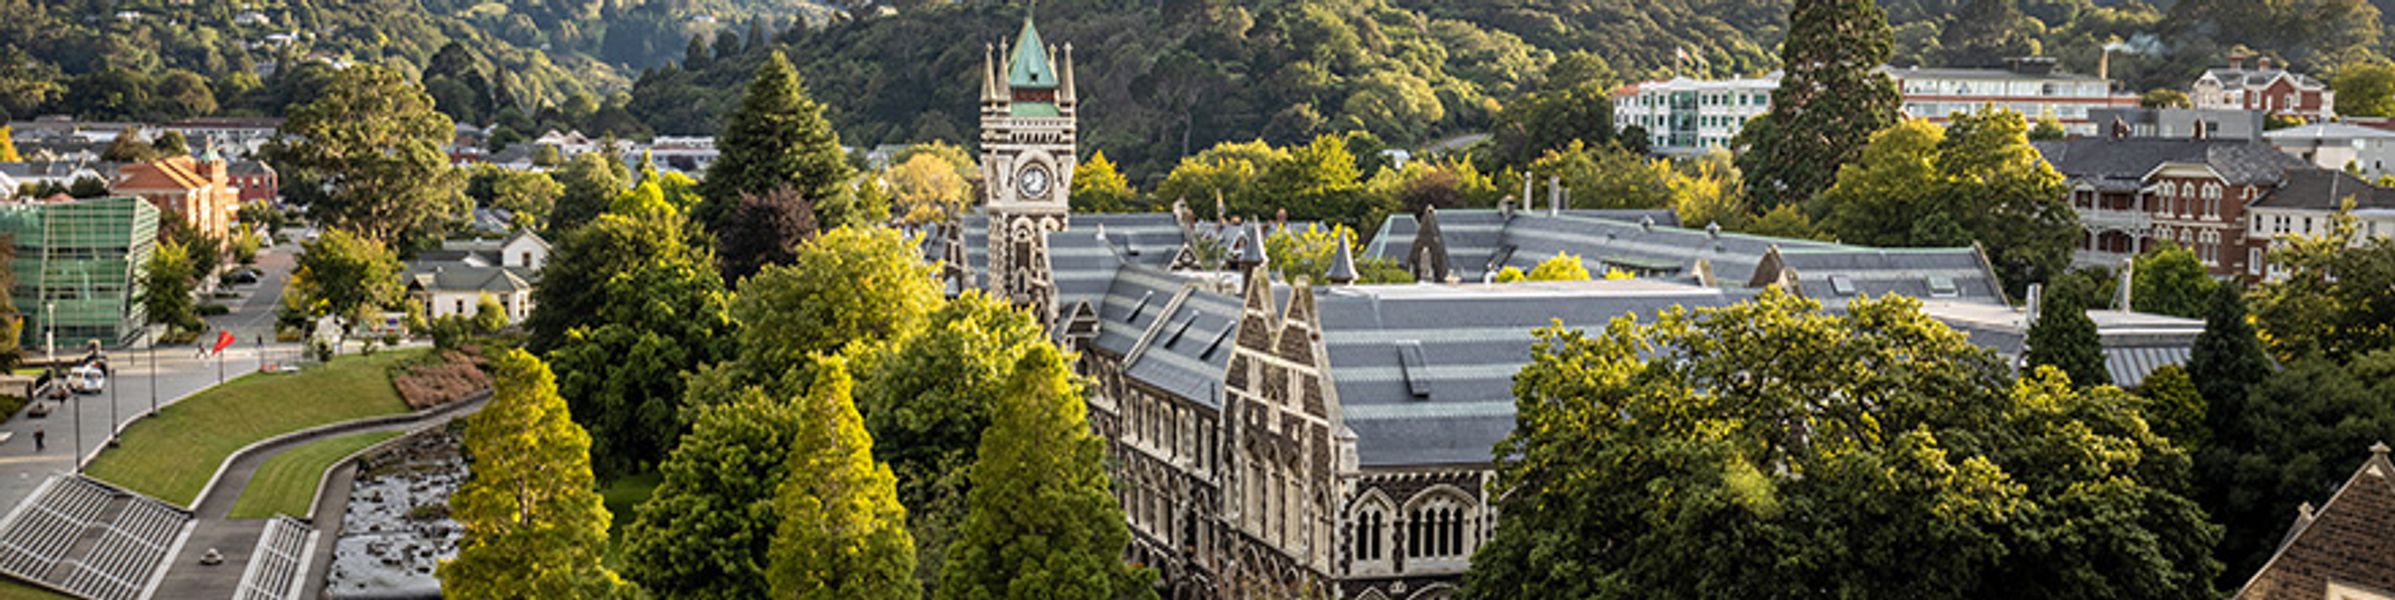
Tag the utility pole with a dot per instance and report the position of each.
(110, 377)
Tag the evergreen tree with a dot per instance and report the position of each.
(2064, 338)
(1042, 519)
(777, 138)
(367, 156)
(843, 534)
(591, 181)
(1829, 102)
(2227, 358)
(534, 526)
(707, 531)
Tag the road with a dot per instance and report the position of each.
(82, 425)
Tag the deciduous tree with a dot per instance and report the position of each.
(166, 285)
(842, 533)
(534, 527)
(1882, 451)
(2332, 297)
(591, 182)
(1098, 187)
(1561, 267)
(846, 288)
(1042, 519)
(2365, 89)
(707, 531)
(2169, 280)
(367, 156)
(346, 276)
(764, 229)
(2301, 428)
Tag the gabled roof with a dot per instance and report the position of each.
(2348, 542)
(2238, 79)
(171, 173)
(2325, 190)
(2096, 160)
(463, 277)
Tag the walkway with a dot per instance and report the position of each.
(234, 539)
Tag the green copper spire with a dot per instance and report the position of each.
(1030, 68)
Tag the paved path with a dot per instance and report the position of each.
(145, 377)
(234, 539)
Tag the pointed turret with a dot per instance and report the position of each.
(1065, 96)
(989, 74)
(1343, 265)
(1029, 69)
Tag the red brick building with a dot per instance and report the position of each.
(2263, 88)
(198, 190)
(2133, 193)
(255, 180)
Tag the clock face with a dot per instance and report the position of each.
(1033, 181)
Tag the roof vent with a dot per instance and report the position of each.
(1713, 229)
(1180, 330)
(1842, 284)
(1141, 306)
(1646, 223)
(1219, 336)
(1416, 370)
(1941, 286)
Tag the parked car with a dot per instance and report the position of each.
(87, 379)
(243, 277)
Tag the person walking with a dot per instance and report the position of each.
(39, 437)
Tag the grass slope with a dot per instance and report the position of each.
(171, 456)
(286, 484)
(11, 589)
(622, 498)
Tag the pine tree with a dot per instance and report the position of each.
(1042, 520)
(843, 534)
(2066, 339)
(2227, 358)
(776, 138)
(1829, 102)
(534, 527)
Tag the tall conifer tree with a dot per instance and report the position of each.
(534, 526)
(843, 534)
(1829, 102)
(2227, 358)
(777, 138)
(2066, 339)
(1042, 520)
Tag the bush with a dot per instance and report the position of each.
(9, 404)
(213, 310)
(438, 378)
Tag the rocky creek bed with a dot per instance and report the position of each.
(397, 529)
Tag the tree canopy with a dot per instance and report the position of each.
(707, 531)
(843, 534)
(367, 156)
(534, 525)
(2065, 339)
(2169, 280)
(1978, 180)
(1830, 100)
(777, 138)
(846, 288)
(1880, 453)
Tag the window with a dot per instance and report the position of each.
(1366, 533)
(2253, 260)
(1941, 286)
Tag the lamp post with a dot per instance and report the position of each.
(110, 376)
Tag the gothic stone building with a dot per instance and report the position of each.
(1277, 439)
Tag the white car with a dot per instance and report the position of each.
(87, 379)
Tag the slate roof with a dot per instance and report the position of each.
(2326, 190)
(2348, 542)
(1481, 241)
(460, 277)
(2238, 79)
(2098, 161)
(2329, 131)
(2134, 343)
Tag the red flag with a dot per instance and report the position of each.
(224, 339)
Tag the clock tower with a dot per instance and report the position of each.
(1027, 159)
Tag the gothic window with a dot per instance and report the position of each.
(1435, 527)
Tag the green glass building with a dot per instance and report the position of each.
(82, 261)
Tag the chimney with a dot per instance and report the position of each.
(2036, 296)
(2236, 62)
(1554, 195)
(2104, 66)
(2120, 128)
(2262, 62)
(2128, 273)
(1526, 191)
(2199, 132)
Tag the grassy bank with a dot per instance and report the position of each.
(171, 456)
(286, 484)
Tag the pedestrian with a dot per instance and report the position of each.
(39, 437)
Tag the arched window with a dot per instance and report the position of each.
(1436, 527)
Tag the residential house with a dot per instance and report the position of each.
(198, 191)
(2264, 88)
(2214, 123)
(2333, 145)
(2305, 203)
(256, 180)
(245, 134)
(2343, 549)
(15, 177)
(2131, 193)
(451, 281)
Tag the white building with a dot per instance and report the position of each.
(2029, 86)
(452, 281)
(1689, 116)
(2306, 204)
(2334, 145)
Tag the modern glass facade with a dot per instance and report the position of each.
(80, 262)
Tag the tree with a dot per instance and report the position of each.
(846, 288)
(927, 402)
(1098, 187)
(8, 146)
(2227, 358)
(1882, 199)
(1548, 121)
(166, 285)
(1829, 102)
(777, 138)
(1042, 519)
(367, 156)
(708, 529)
(2064, 338)
(2169, 280)
(1306, 254)
(2331, 295)
(764, 229)
(128, 148)
(2302, 426)
(1709, 191)
(591, 181)
(1978, 180)
(87, 187)
(346, 276)
(1986, 32)
(533, 525)
(530, 195)
(842, 532)
(170, 143)
(1884, 451)
(928, 189)
(489, 315)
(2164, 98)
(2365, 89)
(1563, 267)
(1606, 177)
(2174, 408)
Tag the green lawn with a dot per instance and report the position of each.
(286, 484)
(623, 496)
(172, 455)
(11, 589)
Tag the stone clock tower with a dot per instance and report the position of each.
(1027, 159)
